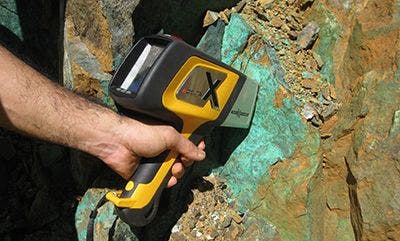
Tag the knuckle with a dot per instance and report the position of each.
(189, 146)
(172, 138)
(170, 133)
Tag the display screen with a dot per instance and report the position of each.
(139, 70)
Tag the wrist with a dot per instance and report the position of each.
(102, 134)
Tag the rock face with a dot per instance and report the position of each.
(92, 51)
(348, 189)
(97, 35)
(321, 160)
(361, 160)
(344, 186)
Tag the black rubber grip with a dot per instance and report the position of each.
(144, 174)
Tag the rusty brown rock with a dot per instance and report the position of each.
(94, 50)
(236, 217)
(332, 92)
(311, 84)
(277, 22)
(266, 3)
(234, 232)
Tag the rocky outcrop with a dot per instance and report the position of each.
(346, 190)
(337, 181)
(321, 160)
(92, 51)
(361, 159)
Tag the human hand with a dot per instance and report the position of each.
(135, 140)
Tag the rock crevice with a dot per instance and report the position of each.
(355, 210)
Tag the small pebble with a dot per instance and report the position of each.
(219, 199)
(176, 228)
(308, 112)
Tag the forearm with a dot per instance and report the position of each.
(32, 104)
(35, 106)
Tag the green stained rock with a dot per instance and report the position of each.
(93, 52)
(329, 34)
(292, 184)
(9, 17)
(103, 221)
(306, 75)
(274, 132)
(119, 18)
(277, 133)
(235, 38)
(211, 42)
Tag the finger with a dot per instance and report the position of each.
(183, 146)
(178, 170)
(187, 163)
(172, 182)
(202, 145)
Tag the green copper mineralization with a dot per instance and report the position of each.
(9, 17)
(328, 36)
(274, 132)
(104, 221)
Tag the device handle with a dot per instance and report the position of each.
(138, 202)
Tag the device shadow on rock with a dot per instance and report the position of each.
(175, 201)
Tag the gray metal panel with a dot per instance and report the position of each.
(242, 111)
(196, 86)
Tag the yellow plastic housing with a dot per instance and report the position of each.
(192, 116)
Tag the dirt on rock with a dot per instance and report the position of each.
(282, 24)
(284, 27)
(211, 215)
